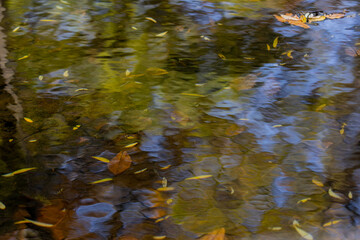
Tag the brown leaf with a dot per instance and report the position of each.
(156, 71)
(298, 23)
(335, 15)
(233, 130)
(218, 234)
(352, 52)
(243, 83)
(126, 238)
(119, 163)
(291, 19)
(290, 16)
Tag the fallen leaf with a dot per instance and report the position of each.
(268, 47)
(303, 234)
(156, 71)
(350, 195)
(275, 43)
(127, 73)
(29, 120)
(331, 223)
(334, 195)
(159, 237)
(276, 126)
(319, 108)
(140, 171)
(16, 29)
(233, 130)
(18, 172)
(243, 83)
(24, 57)
(161, 34)
(299, 24)
(40, 224)
(66, 73)
(2, 206)
(352, 51)
(165, 189)
(192, 94)
(290, 16)
(291, 19)
(218, 234)
(317, 182)
(131, 145)
(335, 15)
(275, 228)
(303, 200)
(289, 53)
(102, 180)
(198, 177)
(221, 56)
(120, 163)
(151, 19)
(102, 159)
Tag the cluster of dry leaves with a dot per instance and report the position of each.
(301, 20)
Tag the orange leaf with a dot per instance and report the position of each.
(218, 234)
(298, 23)
(335, 15)
(119, 163)
(280, 19)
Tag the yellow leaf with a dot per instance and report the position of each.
(102, 159)
(165, 189)
(47, 20)
(275, 228)
(275, 43)
(21, 58)
(289, 53)
(131, 145)
(166, 167)
(18, 172)
(102, 180)
(2, 206)
(127, 73)
(16, 29)
(334, 195)
(304, 234)
(221, 56)
(156, 71)
(159, 237)
(32, 140)
(66, 73)
(331, 223)
(135, 28)
(319, 108)
(41, 77)
(268, 47)
(276, 126)
(317, 182)
(303, 200)
(140, 171)
(29, 120)
(192, 94)
(81, 89)
(217, 234)
(40, 224)
(161, 34)
(350, 195)
(151, 19)
(342, 130)
(198, 177)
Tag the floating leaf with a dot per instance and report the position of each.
(166, 167)
(18, 172)
(131, 145)
(335, 15)
(198, 177)
(24, 57)
(303, 200)
(156, 71)
(140, 171)
(40, 224)
(165, 189)
(32, 140)
(350, 195)
(127, 73)
(303, 234)
(102, 180)
(221, 56)
(289, 53)
(291, 19)
(218, 234)
(317, 182)
(159, 237)
(102, 159)
(276, 126)
(41, 77)
(331, 223)
(334, 195)
(275, 228)
(151, 19)
(47, 20)
(161, 34)
(2, 206)
(268, 47)
(120, 163)
(29, 120)
(16, 29)
(319, 108)
(275, 43)
(66, 73)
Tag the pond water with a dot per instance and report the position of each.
(234, 122)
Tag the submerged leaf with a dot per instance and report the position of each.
(303, 200)
(165, 189)
(102, 159)
(331, 223)
(317, 182)
(18, 172)
(120, 163)
(131, 145)
(198, 177)
(2, 206)
(304, 234)
(350, 195)
(161, 34)
(334, 195)
(156, 71)
(243, 83)
(233, 130)
(268, 47)
(218, 234)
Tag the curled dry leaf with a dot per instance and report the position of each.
(120, 163)
(218, 234)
